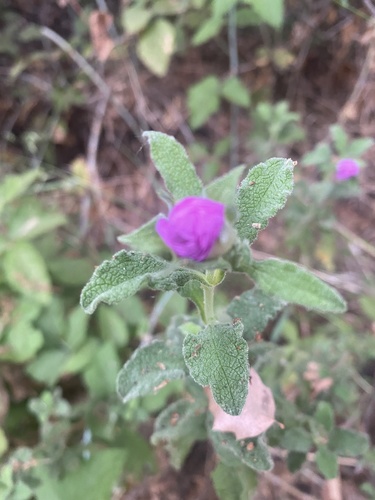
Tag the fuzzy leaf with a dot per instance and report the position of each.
(252, 452)
(193, 290)
(145, 239)
(257, 415)
(295, 284)
(217, 357)
(180, 425)
(261, 194)
(223, 188)
(172, 161)
(149, 369)
(255, 309)
(118, 278)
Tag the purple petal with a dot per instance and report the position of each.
(346, 168)
(192, 228)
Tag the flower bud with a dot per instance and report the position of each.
(346, 168)
(193, 227)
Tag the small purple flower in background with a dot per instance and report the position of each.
(346, 168)
(192, 228)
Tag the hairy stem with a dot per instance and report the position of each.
(208, 295)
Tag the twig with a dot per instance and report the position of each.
(370, 6)
(233, 66)
(286, 487)
(92, 165)
(360, 83)
(96, 79)
(355, 239)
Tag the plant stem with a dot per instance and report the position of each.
(233, 67)
(208, 297)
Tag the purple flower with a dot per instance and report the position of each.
(346, 168)
(192, 227)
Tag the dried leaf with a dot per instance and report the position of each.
(99, 24)
(256, 417)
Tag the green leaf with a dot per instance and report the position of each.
(77, 326)
(149, 369)
(193, 290)
(6, 480)
(13, 186)
(134, 19)
(3, 448)
(358, 147)
(23, 342)
(234, 91)
(145, 239)
(326, 462)
(295, 460)
(203, 100)
(239, 258)
(217, 357)
(112, 327)
(234, 483)
(320, 155)
(101, 373)
(94, 478)
(255, 309)
(223, 188)
(80, 358)
(31, 219)
(47, 366)
(324, 415)
(207, 30)
(270, 11)
(297, 439)
(261, 194)
(252, 452)
(69, 271)
(295, 284)
(172, 161)
(180, 425)
(156, 46)
(221, 7)
(339, 136)
(26, 272)
(118, 278)
(347, 442)
(168, 7)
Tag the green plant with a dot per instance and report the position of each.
(310, 212)
(201, 349)
(275, 129)
(47, 443)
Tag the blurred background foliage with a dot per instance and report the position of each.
(236, 82)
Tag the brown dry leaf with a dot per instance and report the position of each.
(256, 417)
(99, 24)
